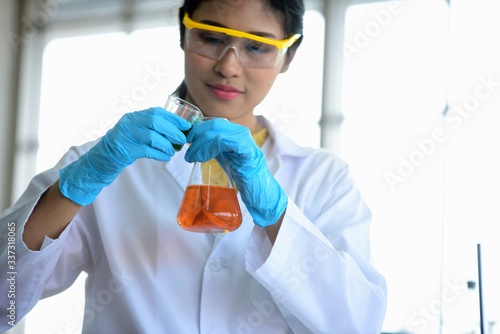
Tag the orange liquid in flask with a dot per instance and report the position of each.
(209, 209)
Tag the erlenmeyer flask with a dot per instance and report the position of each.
(210, 204)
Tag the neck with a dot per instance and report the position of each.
(248, 120)
(252, 123)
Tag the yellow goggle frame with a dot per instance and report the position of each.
(286, 43)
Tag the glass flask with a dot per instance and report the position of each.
(184, 109)
(210, 204)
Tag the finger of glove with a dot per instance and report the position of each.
(200, 128)
(202, 151)
(208, 142)
(169, 126)
(213, 127)
(110, 156)
(215, 136)
(129, 140)
(204, 142)
(147, 143)
(244, 166)
(177, 120)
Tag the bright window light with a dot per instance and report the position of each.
(394, 95)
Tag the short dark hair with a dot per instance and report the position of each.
(291, 11)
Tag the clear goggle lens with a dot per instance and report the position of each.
(250, 53)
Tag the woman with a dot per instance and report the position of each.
(299, 263)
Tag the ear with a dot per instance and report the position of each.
(288, 60)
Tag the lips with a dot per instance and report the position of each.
(224, 92)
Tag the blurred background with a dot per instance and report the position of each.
(407, 92)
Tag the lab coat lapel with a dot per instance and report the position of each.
(281, 144)
(277, 146)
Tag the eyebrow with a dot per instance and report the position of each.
(256, 33)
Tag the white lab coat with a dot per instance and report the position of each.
(147, 275)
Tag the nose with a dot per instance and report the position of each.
(229, 64)
(226, 49)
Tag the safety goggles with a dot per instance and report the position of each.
(251, 50)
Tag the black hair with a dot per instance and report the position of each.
(291, 12)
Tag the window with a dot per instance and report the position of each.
(433, 199)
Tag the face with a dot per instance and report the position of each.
(224, 88)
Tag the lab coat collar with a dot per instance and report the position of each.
(277, 146)
(282, 144)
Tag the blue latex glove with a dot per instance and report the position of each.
(141, 134)
(223, 140)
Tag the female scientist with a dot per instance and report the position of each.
(300, 261)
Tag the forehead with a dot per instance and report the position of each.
(252, 16)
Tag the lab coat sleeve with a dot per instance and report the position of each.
(319, 272)
(26, 275)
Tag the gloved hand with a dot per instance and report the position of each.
(221, 139)
(141, 134)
